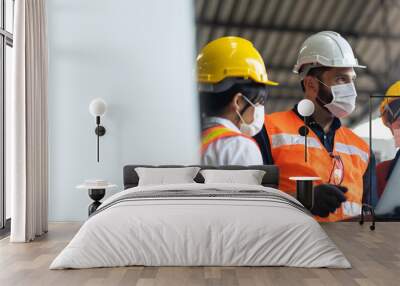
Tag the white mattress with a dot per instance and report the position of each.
(191, 231)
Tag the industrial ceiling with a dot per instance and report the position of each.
(278, 27)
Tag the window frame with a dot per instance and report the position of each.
(6, 39)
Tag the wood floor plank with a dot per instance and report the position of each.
(375, 258)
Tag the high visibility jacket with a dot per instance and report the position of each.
(224, 144)
(214, 133)
(287, 147)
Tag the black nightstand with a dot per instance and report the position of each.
(96, 193)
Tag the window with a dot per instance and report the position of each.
(6, 44)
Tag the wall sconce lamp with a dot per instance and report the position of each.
(97, 108)
(306, 109)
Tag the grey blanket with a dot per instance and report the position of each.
(206, 194)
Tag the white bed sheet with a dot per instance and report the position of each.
(202, 232)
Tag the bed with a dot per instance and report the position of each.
(198, 224)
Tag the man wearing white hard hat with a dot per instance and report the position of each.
(336, 155)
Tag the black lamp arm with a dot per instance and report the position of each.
(100, 131)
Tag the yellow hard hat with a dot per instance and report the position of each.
(393, 90)
(231, 57)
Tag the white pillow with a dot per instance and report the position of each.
(164, 176)
(248, 177)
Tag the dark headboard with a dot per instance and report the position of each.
(270, 179)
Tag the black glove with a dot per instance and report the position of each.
(327, 198)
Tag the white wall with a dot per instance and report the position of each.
(138, 56)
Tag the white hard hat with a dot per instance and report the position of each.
(327, 49)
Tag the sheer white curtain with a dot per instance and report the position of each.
(27, 123)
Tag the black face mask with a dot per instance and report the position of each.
(324, 95)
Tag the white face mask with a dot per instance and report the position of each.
(395, 127)
(344, 99)
(396, 134)
(258, 122)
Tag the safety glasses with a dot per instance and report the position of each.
(257, 94)
(337, 172)
(256, 101)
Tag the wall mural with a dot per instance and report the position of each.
(317, 154)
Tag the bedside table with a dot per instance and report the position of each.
(96, 193)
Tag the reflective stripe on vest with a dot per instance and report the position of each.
(279, 140)
(287, 148)
(351, 150)
(218, 132)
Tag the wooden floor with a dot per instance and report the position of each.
(375, 257)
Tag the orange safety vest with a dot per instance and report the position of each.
(287, 147)
(214, 133)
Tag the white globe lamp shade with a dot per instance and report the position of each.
(97, 107)
(305, 107)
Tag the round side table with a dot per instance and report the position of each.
(96, 193)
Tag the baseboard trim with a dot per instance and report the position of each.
(5, 231)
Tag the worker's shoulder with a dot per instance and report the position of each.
(383, 166)
(241, 141)
(280, 117)
(274, 122)
(280, 114)
(353, 137)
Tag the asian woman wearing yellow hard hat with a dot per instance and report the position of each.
(232, 82)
